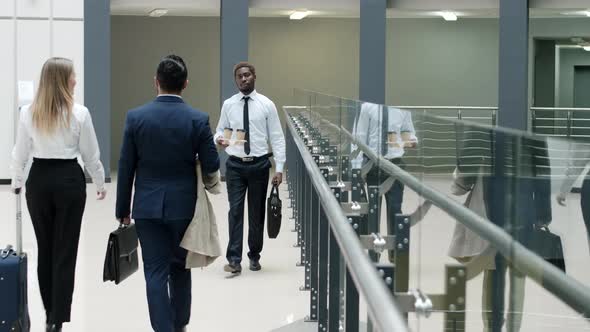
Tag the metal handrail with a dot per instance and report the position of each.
(560, 109)
(569, 290)
(493, 108)
(381, 306)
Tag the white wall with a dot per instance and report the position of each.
(30, 32)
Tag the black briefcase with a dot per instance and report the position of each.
(547, 245)
(121, 259)
(273, 212)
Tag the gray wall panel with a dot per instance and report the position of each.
(568, 59)
(428, 61)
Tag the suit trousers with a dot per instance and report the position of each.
(394, 198)
(168, 282)
(515, 299)
(585, 203)
(56, 196)
(251, 178)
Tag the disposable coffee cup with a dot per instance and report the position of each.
(240, 136)
(227, 132)
(392, 138)
(406, 136)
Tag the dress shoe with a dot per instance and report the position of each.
(255, 265)
(53, 328)
(233, 268)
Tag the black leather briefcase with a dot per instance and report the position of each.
(121, 259)
(547, 245)
(273, 213)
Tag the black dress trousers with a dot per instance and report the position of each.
(56, 196)
(251, 178)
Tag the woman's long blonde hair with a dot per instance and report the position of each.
(52, 106)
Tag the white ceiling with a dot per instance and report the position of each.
(347, 8)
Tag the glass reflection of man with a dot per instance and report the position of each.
(577, 162)
(388, 131)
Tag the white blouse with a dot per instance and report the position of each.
(79, 140)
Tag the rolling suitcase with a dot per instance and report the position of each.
(14, 310)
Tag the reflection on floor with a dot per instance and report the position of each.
(270, 299)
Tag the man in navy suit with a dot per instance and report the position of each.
(161, 143)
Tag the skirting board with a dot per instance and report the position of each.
(303, 326)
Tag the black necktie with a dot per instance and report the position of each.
(246, 125)
(384, 129)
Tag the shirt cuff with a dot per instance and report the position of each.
(215, 137)
(279, 168)
(16, 183)
(100, 187)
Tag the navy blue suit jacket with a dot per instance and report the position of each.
(161, 142)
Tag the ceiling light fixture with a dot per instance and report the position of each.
(577, 13)
(448, 16)
(158, 12)
(299, 14)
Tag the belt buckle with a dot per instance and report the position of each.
(247, 159)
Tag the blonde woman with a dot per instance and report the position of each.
(55, 132)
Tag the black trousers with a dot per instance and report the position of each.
(242, 178)
(585, 203)
(394, 197)
(56, 196)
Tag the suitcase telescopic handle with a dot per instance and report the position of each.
(19, 225)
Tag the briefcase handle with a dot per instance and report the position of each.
(122, 225)
(274, 190)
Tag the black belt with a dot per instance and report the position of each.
(396, 161)
(54, 161)
(250, 159)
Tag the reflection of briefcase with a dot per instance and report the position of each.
(273, 207)
(121, 258)
(547, 245)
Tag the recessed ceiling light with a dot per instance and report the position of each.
(158, 12)
(577, 13)
(448, 15)
(299, 14)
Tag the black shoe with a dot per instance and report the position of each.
(233, 268)
(180, 329)
(255, 265)
(53, 328)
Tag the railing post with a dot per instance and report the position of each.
(334, 276)
(313, 257)
(351, 315)
(307, 231)
(323, 239)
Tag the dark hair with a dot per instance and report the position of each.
(244, 64)
(172, 73)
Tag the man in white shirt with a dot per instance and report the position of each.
(248, 122)
(388, 134)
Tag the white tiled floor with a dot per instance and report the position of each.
(253, 302)
(266, 300)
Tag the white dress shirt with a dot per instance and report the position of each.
(79, 140)
(368, 130)
(265, 126)
(577, 162)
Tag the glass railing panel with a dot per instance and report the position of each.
(511, 178)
